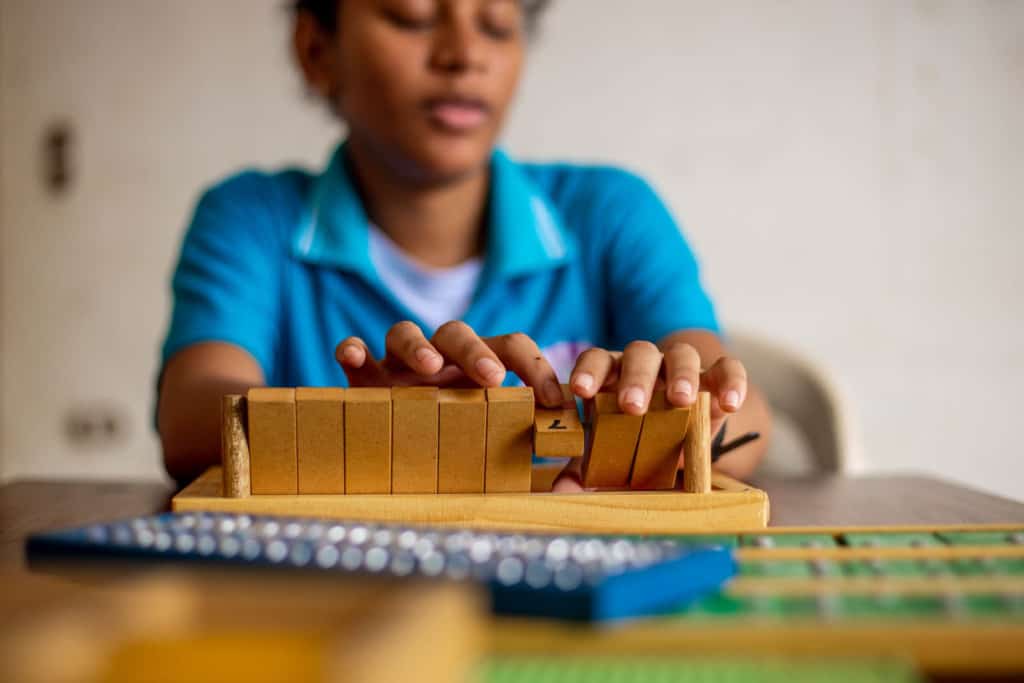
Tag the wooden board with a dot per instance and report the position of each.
(731, 506)
(938, 647)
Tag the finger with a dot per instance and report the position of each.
(682, 373)
(458, 343)
(521, 355)
(406, 344)
(726, 380)
(359, 366)
(593, 367)
(641, 365)
(569, 480)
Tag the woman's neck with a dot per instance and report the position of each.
(438, 224)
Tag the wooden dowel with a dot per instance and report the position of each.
(697, 447)
(234, 447)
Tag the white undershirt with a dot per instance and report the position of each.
(435, 295)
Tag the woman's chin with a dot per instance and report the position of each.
(452, 159)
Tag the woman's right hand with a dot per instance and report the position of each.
(454, 356)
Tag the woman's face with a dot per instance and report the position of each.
(422, 84)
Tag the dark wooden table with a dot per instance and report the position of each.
(30, 506)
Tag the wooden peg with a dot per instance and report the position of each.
(234, 447)
(414, 414)
(661, 441)
(612, 443)
(509, 440)
(462, 440)
(272, 442)
(558, 432)
(697, 447)
(320, 432)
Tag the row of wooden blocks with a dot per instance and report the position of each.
(430, 440)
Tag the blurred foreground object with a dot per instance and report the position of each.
(211, 626)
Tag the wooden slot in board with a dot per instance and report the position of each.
(625, 512)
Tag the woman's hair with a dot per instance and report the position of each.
(326, 12)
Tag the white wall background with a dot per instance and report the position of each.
(852, 174)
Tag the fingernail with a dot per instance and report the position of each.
(584, 381)
(552, 392)
(683, 388)
(489, 369)
(353, 354)
(426, 356)
(732, 399)
(634, 396)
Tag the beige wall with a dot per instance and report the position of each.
(851, 174)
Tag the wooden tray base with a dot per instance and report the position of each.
(731, 506)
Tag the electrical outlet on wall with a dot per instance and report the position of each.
(94, 424)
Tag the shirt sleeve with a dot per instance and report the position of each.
(227, 284)
(654, 286)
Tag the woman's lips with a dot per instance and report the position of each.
(457, 115)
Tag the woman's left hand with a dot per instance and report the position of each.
(644, 368)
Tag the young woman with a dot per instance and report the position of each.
(423, 255)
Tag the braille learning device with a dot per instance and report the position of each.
(561, 576)
(419, 455)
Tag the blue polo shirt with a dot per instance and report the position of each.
(576, 256)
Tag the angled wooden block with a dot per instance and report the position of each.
(320, 427)
(368, 440)
(697, 447)
(509, 439)
(661, 441)
(462, 440)
(272, 443)
(612, 443)
(414, 415)
(558, 432)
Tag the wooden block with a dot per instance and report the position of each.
(462, 440)
(558, 432)
(414, 415)
(320, 431)
(661, 441)
(509, 439)
(272, 443)
(697, 447)
(368, 440)
(234, 447)
(612, 443)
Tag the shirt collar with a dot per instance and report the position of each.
(524, 231)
